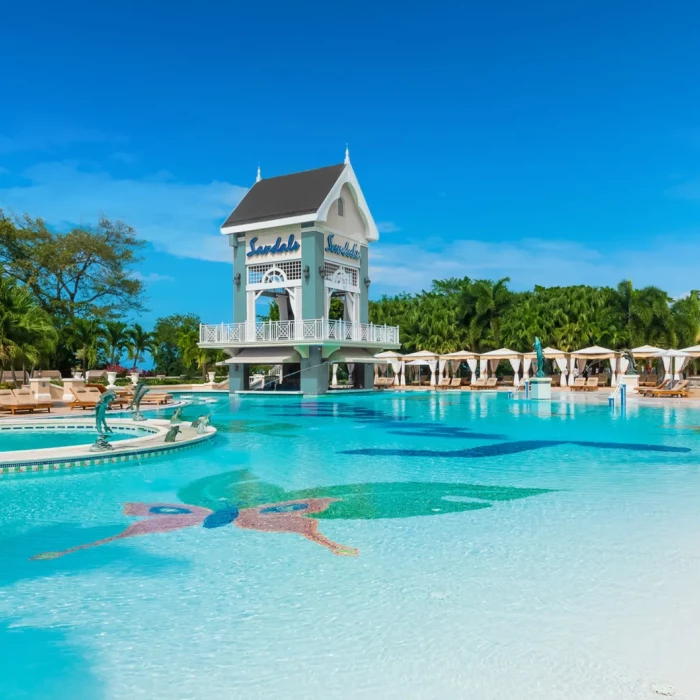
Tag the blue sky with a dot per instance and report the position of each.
(555, 143)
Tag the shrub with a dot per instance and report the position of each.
(119, 369)
(6, 385)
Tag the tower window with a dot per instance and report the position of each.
(341, 207)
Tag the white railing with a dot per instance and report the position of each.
(315, 329)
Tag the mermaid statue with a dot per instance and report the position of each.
(540, 357)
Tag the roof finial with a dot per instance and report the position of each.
(347, 155)
(258, 177)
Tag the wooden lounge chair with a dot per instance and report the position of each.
(444, 383)
(680, 390)
(24, 398)
(591, 384)
(9, 402)
(479, 383)
(84, 398)
(646, 391)
(167, 398)
(120, 399)
(455, 382)
(648, 380)
(579, 384)
(491, 383)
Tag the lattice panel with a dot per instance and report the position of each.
(291, 269)
(352, 272)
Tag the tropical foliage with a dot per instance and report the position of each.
(482, 315)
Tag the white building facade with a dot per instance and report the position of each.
(302, 240)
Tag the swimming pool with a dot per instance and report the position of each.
(22, 438)
(374, 546)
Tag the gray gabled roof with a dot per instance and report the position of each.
(285, 196)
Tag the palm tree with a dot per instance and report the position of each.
(85, 337)
(116, 338)
(139, 342)
(26, 331)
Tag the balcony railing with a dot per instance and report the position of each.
(305, 331)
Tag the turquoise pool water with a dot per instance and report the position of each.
(390, 546)
(41, 439)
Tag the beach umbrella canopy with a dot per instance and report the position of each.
(595, 352)
(645, 351)
(501, 353)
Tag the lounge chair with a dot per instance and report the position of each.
(455, 382)
(679, 390)
(479, 383)
(489, 383)
(579, 384)
(444, 383)
(167, 398)
(84, 398)
(591, 384)
(648, 380)
(120, 399)
(24, 398)
(9, 402)
(647, 390)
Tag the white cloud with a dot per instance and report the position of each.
(177, 217)
(412, 266)
(152, 277)
(387, 227)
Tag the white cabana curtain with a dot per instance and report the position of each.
(679, 364)
(515, 364)
(581, 364)
(351, 367)
(442, 365)
(493, 366)
(622, 364)
(433, 366)
(572, 364)
(454, 367)
(527, 362)
(377, 372)
(403, 373)
(563, 368)
(334, 380)
(472, 368)
(667, 367)
(483, 367)
(613, 368)
(396, 366)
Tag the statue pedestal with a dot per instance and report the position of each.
(73, 383)
(631, 381)
(540, 388)
(40, 388)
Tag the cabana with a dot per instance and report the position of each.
(488, 362)
(424, 358)
(693, 351)
(679, 358)
(395, 361)
(455, 359)
(594, 353)
(559, 356)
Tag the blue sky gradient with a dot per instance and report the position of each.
(555, 143)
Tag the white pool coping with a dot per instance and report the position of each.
(50, 458)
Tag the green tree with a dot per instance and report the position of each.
(140, 341)
(167, 353)
(27, 334)
(86, 272)
(85, 337)
(116, 337)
